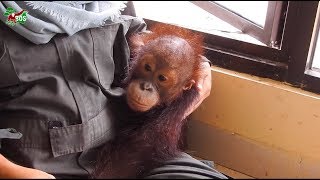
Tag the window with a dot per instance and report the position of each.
(259, 19)
(299, 36)
(281, 42)
(313, 63)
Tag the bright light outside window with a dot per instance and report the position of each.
(316, 57)
(254, 11)
(314, 52)
(186, 14)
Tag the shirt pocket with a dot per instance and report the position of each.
(111, 56)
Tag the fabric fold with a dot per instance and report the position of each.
(45, 19)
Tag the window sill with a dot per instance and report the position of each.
(266, 81)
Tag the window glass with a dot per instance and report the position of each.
(254, 11)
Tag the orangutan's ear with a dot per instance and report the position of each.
(189, 84)
(137, 39)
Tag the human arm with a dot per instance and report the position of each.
(203, 85)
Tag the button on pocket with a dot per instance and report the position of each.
(8, 75)
(54, 124)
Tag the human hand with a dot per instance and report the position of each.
(9, 170)
(203, 85)
(20, 172)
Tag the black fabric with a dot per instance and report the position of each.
(185, 167)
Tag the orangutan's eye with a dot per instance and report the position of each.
(162, 78)
(147, 67)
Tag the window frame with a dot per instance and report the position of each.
(268, 34)
(298, 42)
(286, 64)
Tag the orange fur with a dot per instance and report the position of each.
(195, 40)
(146, 140)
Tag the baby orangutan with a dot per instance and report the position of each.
(160, 88)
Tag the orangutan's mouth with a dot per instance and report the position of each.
(134, 103)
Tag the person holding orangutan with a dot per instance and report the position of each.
(101, 100)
